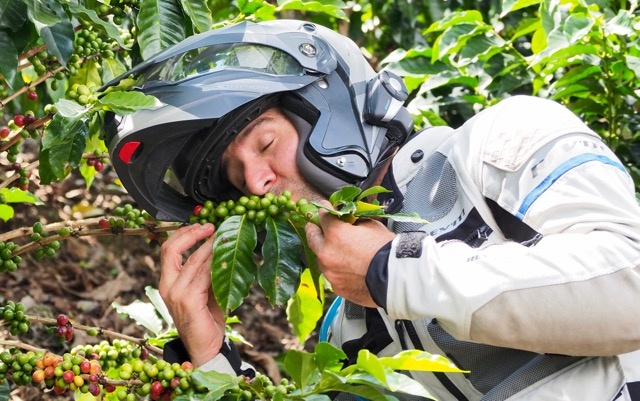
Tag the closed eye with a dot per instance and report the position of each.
(265, 147)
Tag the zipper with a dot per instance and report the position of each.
(403, 326)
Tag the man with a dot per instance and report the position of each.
(527, 274)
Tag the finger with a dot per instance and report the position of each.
(198, 263)
(315, 237)
(178, 243)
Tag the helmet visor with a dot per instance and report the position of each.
(228, 56)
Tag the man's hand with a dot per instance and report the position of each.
(344, 252)
(186, 290)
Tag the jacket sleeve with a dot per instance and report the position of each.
(576, 290)
(227, 361)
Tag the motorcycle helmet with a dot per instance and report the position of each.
(211, 85)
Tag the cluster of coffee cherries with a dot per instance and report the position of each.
(255, 208)
(128, 216)
(24, 174)
(97, 161)
(64, 328)
(13, 313)
(8, 261)
(46, 250)
(73, 372)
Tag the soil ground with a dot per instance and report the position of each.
(88, 274)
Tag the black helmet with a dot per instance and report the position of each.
(211, 85)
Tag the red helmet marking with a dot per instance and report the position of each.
(127, 150)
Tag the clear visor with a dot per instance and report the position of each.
(229, 56)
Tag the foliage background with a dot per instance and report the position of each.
(456, 57)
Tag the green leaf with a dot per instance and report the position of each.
(54, 27)
(41, 14)
(16, 195)
(97, 24)
(368, 362)
(305, 308)
(301, 367)
(158, 303)
(233, 269)
(143, 313)
(123, 103)
(332, 381)
(63, 142)
(419, 360)
(9, 59)
(578, 74)
(70, 109)
(515, 5)
(472, 17)
(160, 25)
(331, 8)
(216, 383)
(279, 274)
(397, 383)
(112, 68)
(88, 74)
(59, 39)
(345, 194)
(373, 191)
(6, 212)
(576, 27)
(633, 63)
(329, 357)
(13, 14)
(199, 13)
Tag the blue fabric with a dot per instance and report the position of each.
(559, 172)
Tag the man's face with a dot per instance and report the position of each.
(262, 158)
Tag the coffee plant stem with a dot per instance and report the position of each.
(21, 345)
(16, 176)
(10, 142)
(101, 332)
(76, 225)
(30, 85)
(94, 232)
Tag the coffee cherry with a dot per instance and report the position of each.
(4, 132)
(104, 223)
(62, 320)
(18, 120)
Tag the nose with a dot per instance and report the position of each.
(259, 178)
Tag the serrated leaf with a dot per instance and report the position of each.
(97, 24)
(9, 59)
(302, 368)
(306, 307)
(6, 212)
(199, 13)
(419, 360)
(279, 274)
(160, 24)
(13, 14)
(143, 313)
(233, 269)
(16, 195)
(123, 103)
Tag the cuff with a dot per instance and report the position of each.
(377, 276)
